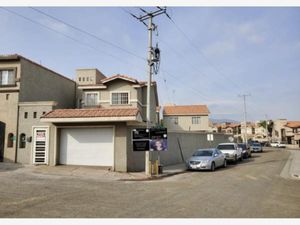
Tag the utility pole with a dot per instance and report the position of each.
(152, 59)
(245, 116)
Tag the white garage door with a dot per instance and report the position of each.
(87, 146)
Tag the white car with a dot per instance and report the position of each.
(277, 144)
(231, 151)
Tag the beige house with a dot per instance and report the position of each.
(27, 91)
(292, 132)
(186, 118)
(98, 132)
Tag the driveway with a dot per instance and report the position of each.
(251, 189)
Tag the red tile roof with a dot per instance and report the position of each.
(186, 110)
(293, 124)
(95, 112)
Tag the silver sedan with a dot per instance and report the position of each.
(206, 159)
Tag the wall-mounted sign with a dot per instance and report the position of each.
(140, 139)
(153, 139)
(141, 145)
(158, 139)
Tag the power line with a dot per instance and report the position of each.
(87, 33)
(68, 36)
(200, 52)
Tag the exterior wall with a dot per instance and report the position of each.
(278, 125)
(189, 143)
(9, 110)
(24, 155)
(122, 153)
(185, 123)
(91, 76)
(40, 84)
(135, 160)
(9, 116)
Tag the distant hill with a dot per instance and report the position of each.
(223, 121)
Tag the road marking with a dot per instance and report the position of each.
(251, 177)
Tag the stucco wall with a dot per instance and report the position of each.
(135, 160)
(40, 84)
(9, 110)
(189, 142)
(185, 123)
(24, 155)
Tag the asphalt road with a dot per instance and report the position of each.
(251, 189)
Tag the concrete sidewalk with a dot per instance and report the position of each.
(88, 172)
(291, 169)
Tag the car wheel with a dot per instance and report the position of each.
(213, 166)
(235, 159)
(225, 163)
(241, 159)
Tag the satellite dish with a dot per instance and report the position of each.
(231, 139)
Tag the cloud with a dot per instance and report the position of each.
(55, 25)
(251, 33)
(220, 48)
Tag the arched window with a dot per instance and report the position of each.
(10, 140)
(22, 141)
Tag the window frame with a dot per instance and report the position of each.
(14, 73)
(197, 118)
(120, 92)
(97, 99)
(10, 140)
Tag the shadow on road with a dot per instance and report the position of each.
(4, 167)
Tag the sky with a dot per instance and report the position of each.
(209, 55)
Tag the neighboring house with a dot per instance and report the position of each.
(186, 118)
(286, 131)
(278, 132)
(28, 91)
(293, 132)
(98, 132)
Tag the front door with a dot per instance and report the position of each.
(40, 145)
(2, 138)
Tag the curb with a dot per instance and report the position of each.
(155, 177)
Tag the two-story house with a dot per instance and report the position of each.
(186, 118)
(98, 132)
(292, 132)
(27, 91)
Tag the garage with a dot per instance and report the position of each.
(87, 146)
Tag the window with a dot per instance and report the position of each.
(175, 120)
(7, 96)
(87, 79)
(91, 98)
(195, 119)
(44, 113)
(25, 115)
(22, 141)
(7, 77)
(119, 98)
(83, 79)
(34, 114)
(79, 79)
(10, 140)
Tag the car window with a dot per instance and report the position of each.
(226, 147)
(203, 153)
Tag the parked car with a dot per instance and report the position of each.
(256, 147)
(277, 144)
(231, 151)
(246, 152)
(206, 159)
